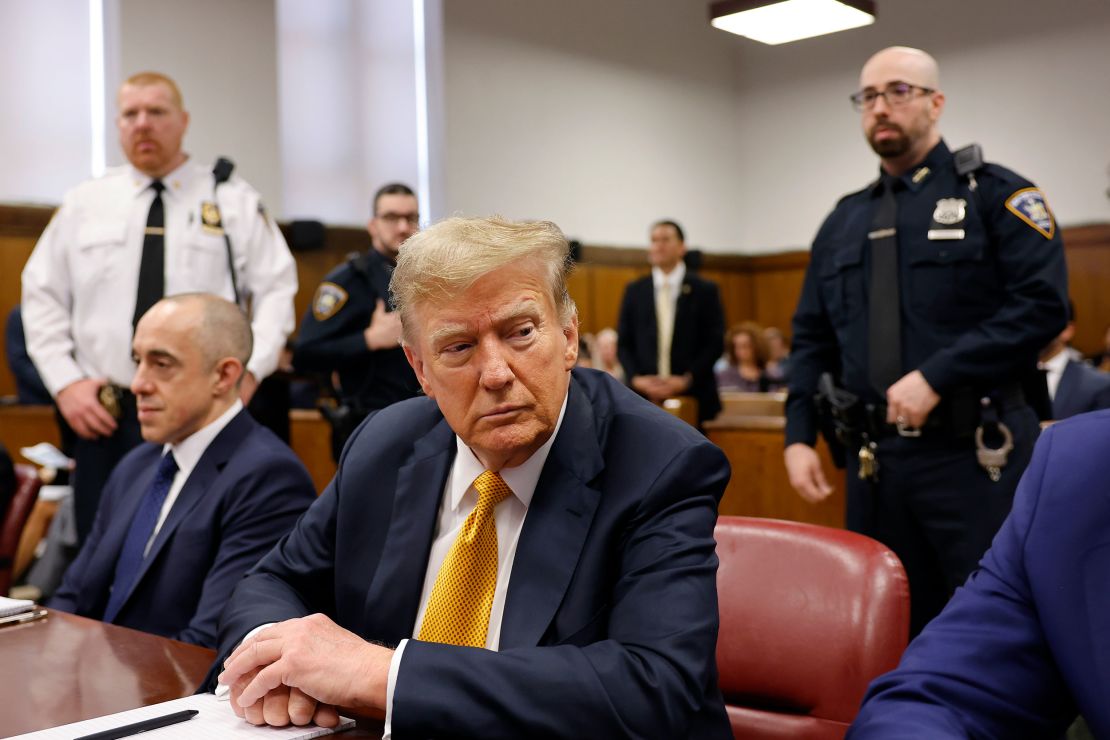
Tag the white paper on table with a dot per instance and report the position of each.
(216, 720)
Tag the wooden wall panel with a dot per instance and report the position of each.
(20, 227)
(1088, 254)
(607, 283)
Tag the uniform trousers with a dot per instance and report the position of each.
(936, 508)
(96, 458)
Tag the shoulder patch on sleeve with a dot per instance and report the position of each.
(1029, 205)
(328, 300)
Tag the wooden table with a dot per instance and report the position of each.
(65, 668)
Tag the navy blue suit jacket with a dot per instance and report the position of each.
(246, 491)
(1082, 388)
(1026, 642)
(699, 336)
(610, 621)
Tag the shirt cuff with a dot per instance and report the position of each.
(391, 682)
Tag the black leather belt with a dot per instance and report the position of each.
(956, 416)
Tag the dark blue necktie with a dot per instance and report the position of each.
(142, 526)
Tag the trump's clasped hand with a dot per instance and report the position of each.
(300, 670)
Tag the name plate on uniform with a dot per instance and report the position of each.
(945, 234)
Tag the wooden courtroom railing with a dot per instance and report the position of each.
(759, 486)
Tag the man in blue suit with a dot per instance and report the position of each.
(1025, 644)
(1074, 387)
(598, 617)
(185, 515)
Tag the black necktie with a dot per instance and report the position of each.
(885, 314)
(133, 552)
(152, 269)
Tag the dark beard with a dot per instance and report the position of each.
(887, 148)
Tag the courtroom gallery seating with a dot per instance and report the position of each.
(809, 616)
(19, 509)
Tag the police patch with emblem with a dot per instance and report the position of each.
(1029, 205)
(328, 300)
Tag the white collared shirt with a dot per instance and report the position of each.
(187, 454)
(1054, 370)
(458, 500)
(81, 280)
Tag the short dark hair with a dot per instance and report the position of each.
(393, 188)
(674, 225)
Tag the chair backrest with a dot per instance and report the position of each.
(11, 527)
(809, 616)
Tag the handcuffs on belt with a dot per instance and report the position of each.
(990, 459)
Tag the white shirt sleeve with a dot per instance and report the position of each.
(391, 682)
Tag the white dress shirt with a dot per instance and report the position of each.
(1054, 370)
(80, 283)
(187, 454)
(458, 500)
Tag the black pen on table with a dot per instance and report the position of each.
(144, 726)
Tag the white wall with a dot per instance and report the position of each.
(601, 116)
(223, 56)
(348, 104)
(1025, 79)
(45, 130)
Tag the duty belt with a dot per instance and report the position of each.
(957, 416)
(112, 398)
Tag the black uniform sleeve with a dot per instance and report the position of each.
(326, 344)
(813, 350)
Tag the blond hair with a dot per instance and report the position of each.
(445, 259)
(145, 79)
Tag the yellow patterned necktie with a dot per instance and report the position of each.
(458, 609)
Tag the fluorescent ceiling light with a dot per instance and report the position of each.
(789, 20)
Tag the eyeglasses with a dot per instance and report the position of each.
(896, 94)
(393, 219)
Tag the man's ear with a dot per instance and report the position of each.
(229, 371)
(418, 367)
(570, 331)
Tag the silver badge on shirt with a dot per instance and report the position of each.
(950, 212)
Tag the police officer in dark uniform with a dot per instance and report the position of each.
(927, 298)
(351, 331)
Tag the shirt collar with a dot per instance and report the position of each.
(522, 479)
(175, 180)
(1057, 363)
(915, 178)
(188, 451)
(674, 279)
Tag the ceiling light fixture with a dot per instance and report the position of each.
(789, 20)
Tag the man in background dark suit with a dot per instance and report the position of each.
(185, 515)
(597, 605)
(1074, 387)
(675, 309)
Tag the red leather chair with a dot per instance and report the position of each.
(11, 527)
(809, 616)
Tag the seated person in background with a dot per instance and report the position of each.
(743, 366)
(605, 354)
(1025, 644)
(1074, 387)
(29, 388)
(1102, 359)
(778, 358)
(582, 514)
(184, 516)
(7, 482)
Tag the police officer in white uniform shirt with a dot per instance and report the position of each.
(153, 228)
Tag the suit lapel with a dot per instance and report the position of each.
(1065, 390)
(555, 528)
(200, 480)
(394, 594)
